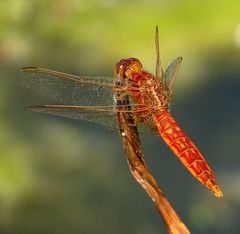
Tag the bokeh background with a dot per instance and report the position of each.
(67, 176)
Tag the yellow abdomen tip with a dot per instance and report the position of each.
(217, 191)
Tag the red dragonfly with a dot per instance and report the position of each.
(93, 99)
(138, 166)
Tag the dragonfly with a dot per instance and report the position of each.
(94, 99)
(138, 166)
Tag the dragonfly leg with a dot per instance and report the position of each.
(120, 97)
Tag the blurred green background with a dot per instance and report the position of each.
(67, 176)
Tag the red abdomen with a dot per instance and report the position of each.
(186, 151)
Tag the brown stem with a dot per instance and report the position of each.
(141, 172)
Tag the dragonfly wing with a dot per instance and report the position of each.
(159, 70)
(85, 98)
(171, 73)
(103, 115)
(68, 89)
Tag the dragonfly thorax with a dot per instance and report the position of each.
(155, 98)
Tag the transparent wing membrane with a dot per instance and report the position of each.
(103, 115)
(159, 71)
(69, 89)
(171, 73)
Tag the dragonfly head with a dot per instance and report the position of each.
(126, 67)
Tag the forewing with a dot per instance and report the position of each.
(171, 73)
(68, 89)
(159, 70)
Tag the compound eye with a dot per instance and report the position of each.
(128, 71)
